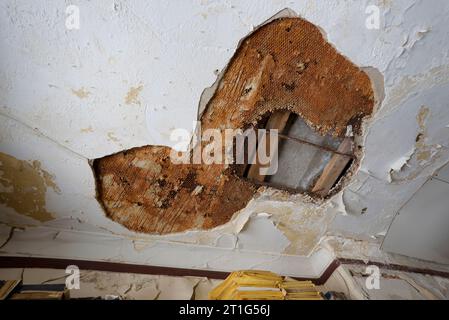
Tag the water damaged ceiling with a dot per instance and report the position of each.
(86, 117)
(285, 64)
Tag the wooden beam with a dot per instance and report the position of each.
(278, 120)
(333, 169)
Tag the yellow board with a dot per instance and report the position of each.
(263, 285)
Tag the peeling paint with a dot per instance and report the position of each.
(410, 166)
(261, 230)
(89, 129)
(301, 223)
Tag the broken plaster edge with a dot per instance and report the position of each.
(209, 92)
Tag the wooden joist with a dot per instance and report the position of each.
(278, 120)
(333, 169)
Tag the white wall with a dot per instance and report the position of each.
(420, 227)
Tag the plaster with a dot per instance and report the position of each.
(179, 47)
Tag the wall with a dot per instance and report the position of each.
(134, 71)
(419, 228)
(126, 286)
(355, 283)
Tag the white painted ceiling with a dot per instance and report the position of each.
(64, 101)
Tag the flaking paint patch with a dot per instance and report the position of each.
(132, 97)
(303, 223)
(260, 229)
(24, 185)
(423, 154)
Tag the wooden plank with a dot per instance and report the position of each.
(333, 169)
(7, 287)
(278, 120)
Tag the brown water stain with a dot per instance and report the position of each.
(24, 186)
(132, 97)
(81, 93)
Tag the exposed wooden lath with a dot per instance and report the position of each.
(333, 170)
(278, 120)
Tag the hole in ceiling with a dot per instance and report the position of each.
(308, 162)
(271, 72)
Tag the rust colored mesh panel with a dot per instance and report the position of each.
(285, 64)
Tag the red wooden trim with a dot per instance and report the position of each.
(52, 263)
